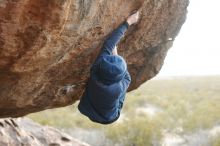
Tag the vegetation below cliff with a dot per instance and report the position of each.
(172, 112)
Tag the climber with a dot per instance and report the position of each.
(109, 79)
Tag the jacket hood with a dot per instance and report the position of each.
(112, 68)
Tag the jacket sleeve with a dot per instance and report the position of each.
(125, 83)
(114, 39)
(111, 42)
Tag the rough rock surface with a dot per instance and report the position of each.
(47, 44)
(23, 131)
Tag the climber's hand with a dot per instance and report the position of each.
(133, 18)
(114, 51)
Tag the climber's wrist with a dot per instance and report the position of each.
(128, 22)
(132, 19)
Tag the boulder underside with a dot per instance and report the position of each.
(47, 44)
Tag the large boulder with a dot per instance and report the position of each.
(47, 44)
(24, 132)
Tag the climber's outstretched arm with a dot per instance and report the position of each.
(117, 34)
(114, 38)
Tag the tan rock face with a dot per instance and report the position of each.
(47, 44)
(23, 131)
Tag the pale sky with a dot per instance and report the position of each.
(196, 50)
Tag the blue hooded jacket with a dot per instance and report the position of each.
(109, 80)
